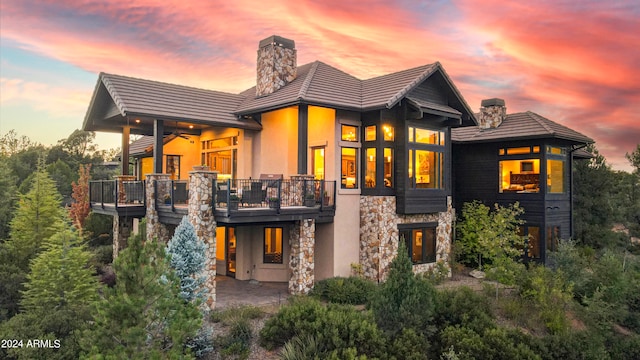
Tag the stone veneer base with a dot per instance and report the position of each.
(379, 235)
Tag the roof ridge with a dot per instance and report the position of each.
(537, 117)
(307, 80)
(402, 92)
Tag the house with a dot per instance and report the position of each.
(313, 172)
(521, 157)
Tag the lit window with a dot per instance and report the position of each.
(518, 150)
(520, 176)
(555, 176)
(221, 155)
(388, 167)
(426, 158)
(318, 163)
(349, 133)
(370, 170)
(370, 133)
(553, 238)
(173, 166)
(388, 132)
(421, 244)
(272, 246)
(349, 168)
(532, 234)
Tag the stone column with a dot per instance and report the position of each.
(296, 189)
(121, 230)
(155, 229)
(121, 196)
(301, 262)
(201, 216)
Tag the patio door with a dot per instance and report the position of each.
(231, 243)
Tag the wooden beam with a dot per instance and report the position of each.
(303, 140)
(125, 149)
(158, 143)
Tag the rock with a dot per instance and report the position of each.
(477, 274)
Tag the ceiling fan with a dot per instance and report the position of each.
(177, 133)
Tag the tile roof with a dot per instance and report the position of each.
(140, 97)
(316, 84)
(524, 125)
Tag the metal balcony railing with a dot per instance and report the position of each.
(117, 193)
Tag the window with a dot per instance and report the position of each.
(519, 176)
(387, 132)
(317, 161)
(272, 246)
(173, 166)
(349, 168)
(553, 238)
(556, 159)
(370, 169)
(370, 133)
(426, 158)
(221, 155)
(388, 167)
(533, 241)
(349, 133)
(421, 243)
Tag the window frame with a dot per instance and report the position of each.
(429, 254)
(440, 148)
(264, 245)
(357, 145)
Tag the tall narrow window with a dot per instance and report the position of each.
(555, 176)
(173, 166)
(349, 168)
(317, 154)
(370, 170)
(272, 245)
(388, 167)
(553, 238)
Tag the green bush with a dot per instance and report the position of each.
(492, 343)
(336, 327)
(577, 345)
(351, 290)
(236, 341)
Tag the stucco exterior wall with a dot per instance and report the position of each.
(275, 148)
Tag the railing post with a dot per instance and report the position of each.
(172, 198)
(323, 190)
(102, 193)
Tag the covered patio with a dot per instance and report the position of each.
(231, 292)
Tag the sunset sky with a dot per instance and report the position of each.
(574, 62)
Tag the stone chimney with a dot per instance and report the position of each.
(492, 113)
(276, 64)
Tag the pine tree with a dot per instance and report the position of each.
(60, 291)
(143, 315)
(403, 301)
(8, 196)
(80, 209)
(187, 256)
(38, 217)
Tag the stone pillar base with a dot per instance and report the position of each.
(301, 262)
(122, 227)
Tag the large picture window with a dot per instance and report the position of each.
(221, 155)
(522, 174)
(421, 243)
(272, 245)
(426, 158)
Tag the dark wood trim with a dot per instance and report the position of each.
(303, 139)
(126, 130)
(158, 143)
(410, 226)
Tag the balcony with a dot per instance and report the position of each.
(121, 197)
(234, 201)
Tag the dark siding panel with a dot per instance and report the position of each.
(476, 173)
(421, 202)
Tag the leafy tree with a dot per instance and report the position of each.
(187, 256)
(143, 315)
(489, 236)
(11, 144)
(79, 209)
(60, 290)
(404, 301)
(634, 158)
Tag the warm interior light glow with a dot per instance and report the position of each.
(137, 121)
(388, 132)
(190, 126)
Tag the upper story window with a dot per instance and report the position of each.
(378, 157)
(349, 133)
(426, 156)
(556, 160)
(520, 172)
(350, 156)
(221, 155)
